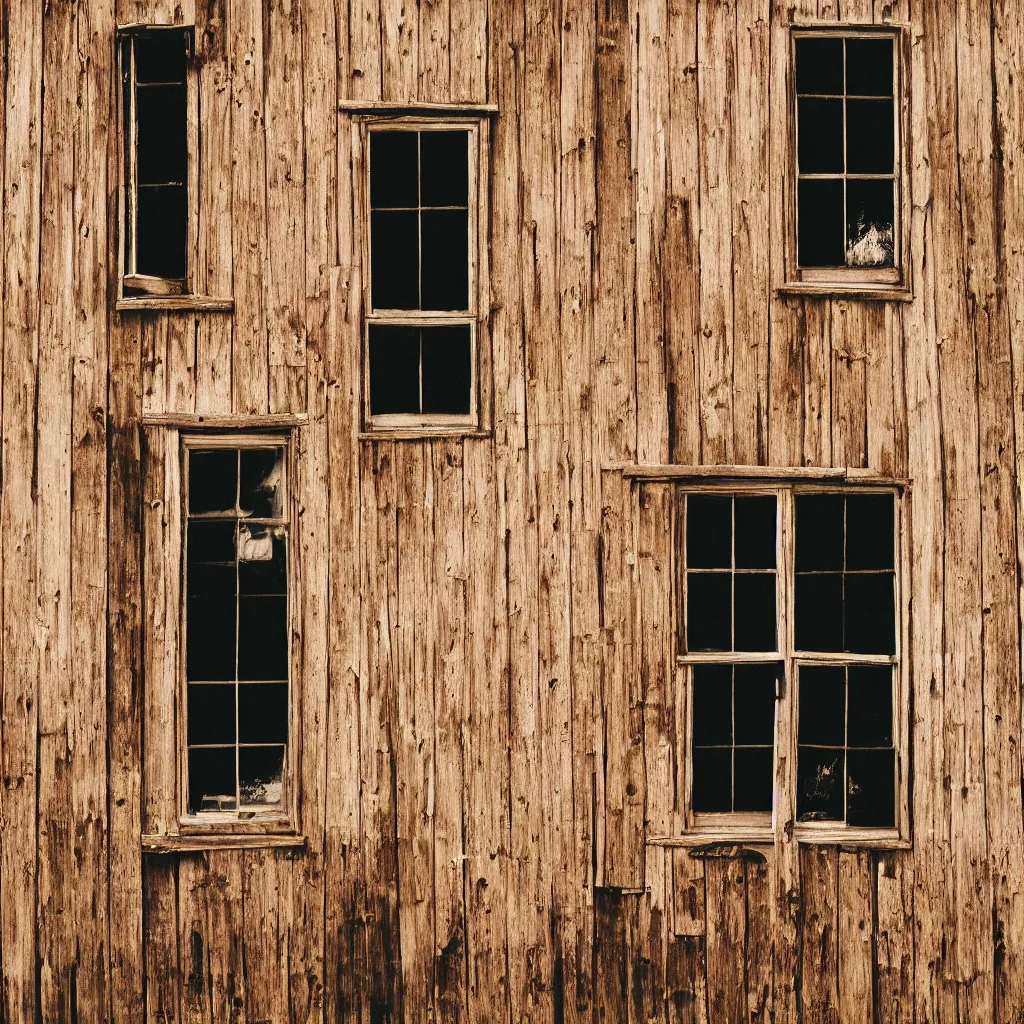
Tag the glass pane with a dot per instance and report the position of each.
(262, 638)
(160, 56)
(708, 531)
(211, 541)
(819, 612)
(260, 770)
(822, 705)
(819, 65)
(754, 615)
(262, 712)
(712, 705)
(870, 613)
(869, 67)
(211, 780)
(160, 122)
(712, 779)
(871, 788)
(393, 165)
(820, 223)
(262, 575)
(161, 231)
(869, 531)
(212, 481)
(755, 532)
(445, 259)
(819, 531)
(444, 168)
(262, 482)
(819, 136)
(211, 639)
(869, 223)
(708, 611)
(394, 369)
(869, 717)
(211, 713)
(213, 581)
(820, 781)
(447, 369)
(870, 137)
(394, 262)
(754, 703)
(753, 779)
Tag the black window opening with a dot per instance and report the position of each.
(420, 333)
(154, 67)
(846, 151)
(236, 629)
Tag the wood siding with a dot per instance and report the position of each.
(488, 700)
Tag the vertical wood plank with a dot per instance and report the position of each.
(726, 938)
(364, 81)
(816, 342)
(468, 50)
(760, 940)
(434, 35)
(855, 939)
(894, 937)
(686, 957)
(819, 955)
(851, 323)
(162, 992)
(399, 45)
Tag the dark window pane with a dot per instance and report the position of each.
(753, 779)
(394, 369)
(393, 165)
(870, 141)
(211, 780)
(754, 611)
(210, 639)
(262, 712)
(712, 780)
(822, 705)
(160, 231)
(161, 153)
(394, 262)
(821, 778)
(870, 613)
(259, 775)
(820, 218)
(447, 369)
(212, 480)
(444, 168)
(869, 719)
(262, 482)
(708, 608)
(870, 788)
(160, 56)
(819, 612)
(869, 531)
(869, 223)
(712, 704)
(445, 259)
(755, 703)
(869, 67)
(819, 531)
(213, 581)
(268, 573)
(211, 713)
(262, 638)
(819, 131)
(755, 532)
(708, 532)
(819, 65)
(211, 541)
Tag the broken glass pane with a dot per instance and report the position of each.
(262, 482)
(260, 770)
(268, 574)
(212, 481)
(869, 222)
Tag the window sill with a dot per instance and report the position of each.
(193, 303)
(220, 841)
(837, 290)
(817, 835)
(422, 433)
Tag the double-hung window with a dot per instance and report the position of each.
(789, 606)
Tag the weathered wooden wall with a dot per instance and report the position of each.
(487, 698)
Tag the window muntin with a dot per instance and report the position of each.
(156, 96)
(237, 654)
(847, 156)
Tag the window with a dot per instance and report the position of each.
(849, 210)
(789, 605)
(156, 99)
(237, 654)
(421, 298)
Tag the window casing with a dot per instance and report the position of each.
(424, 273)
(848, 204)
(818, 649)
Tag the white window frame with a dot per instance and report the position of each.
(742, 827)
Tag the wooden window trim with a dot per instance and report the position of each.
(868, 284)
(743, 828)
(433, 118)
